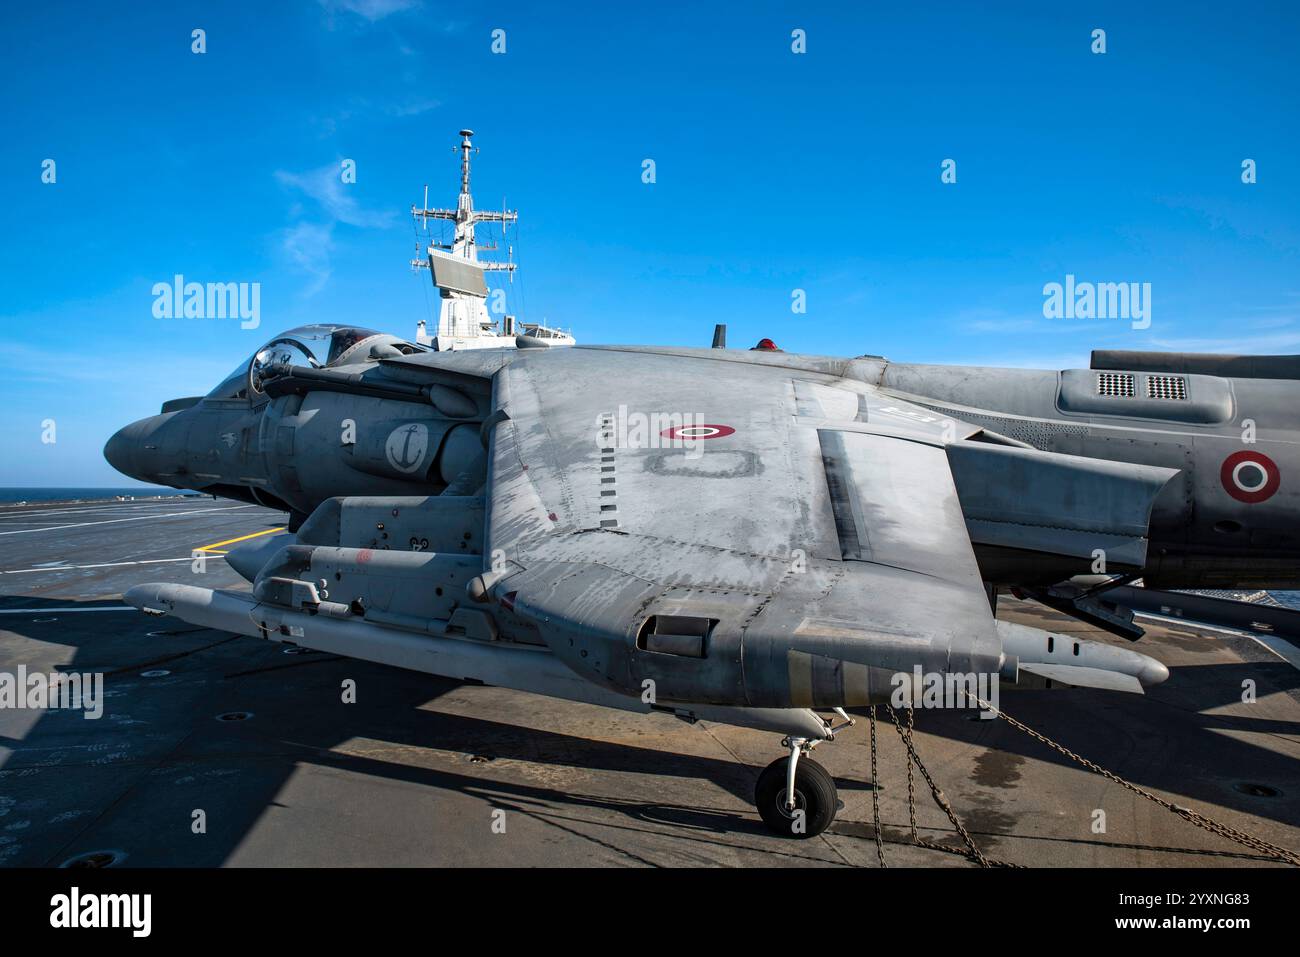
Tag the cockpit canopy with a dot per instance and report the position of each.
(318, 345)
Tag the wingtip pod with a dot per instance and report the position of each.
(1158, 674)
(1047, 659)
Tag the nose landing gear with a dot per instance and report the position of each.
(795, 795)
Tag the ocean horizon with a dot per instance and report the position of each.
(81, 493)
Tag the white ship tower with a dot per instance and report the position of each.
(461, 278)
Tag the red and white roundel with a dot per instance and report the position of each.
(1250, 476)
(692, 432)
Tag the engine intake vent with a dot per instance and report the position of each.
(1166, 387)
(1115, 383)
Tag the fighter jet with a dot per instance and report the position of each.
(754, 537)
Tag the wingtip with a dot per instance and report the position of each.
(148, 598)
(1153, 673)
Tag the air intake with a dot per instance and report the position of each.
(1166, 387)
(1115, 383)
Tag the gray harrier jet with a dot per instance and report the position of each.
(747, 536)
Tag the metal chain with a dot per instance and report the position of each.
(911, 783)
(972, 851)
(1200, 820)
(875, 790)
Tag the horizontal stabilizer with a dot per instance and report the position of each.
(1048, 503)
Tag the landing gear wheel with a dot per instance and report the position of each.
(815, 800)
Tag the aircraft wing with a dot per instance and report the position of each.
(808, 540)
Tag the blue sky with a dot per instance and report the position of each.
(775, 172)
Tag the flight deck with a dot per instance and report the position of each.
(215, 749)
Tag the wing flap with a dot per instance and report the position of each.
(895, 503)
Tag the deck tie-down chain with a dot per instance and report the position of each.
(1273, 851)
(875, 791)
(971, 851)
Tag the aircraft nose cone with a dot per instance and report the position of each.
(118, 451)
(125, 451)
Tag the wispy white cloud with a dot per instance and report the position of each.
(325, 185)
(307, 247)
(1244, 344)
(985, 320)
(363, 108)
(413, 107)
(369, 10)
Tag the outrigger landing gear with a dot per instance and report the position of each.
(795, 795)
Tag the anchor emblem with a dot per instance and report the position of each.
(406, 446)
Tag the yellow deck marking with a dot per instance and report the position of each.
(241, 538)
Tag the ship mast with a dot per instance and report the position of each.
(459, 276)
(466, 218)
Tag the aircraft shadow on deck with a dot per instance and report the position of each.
(160, 750)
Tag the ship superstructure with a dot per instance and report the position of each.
(460, 277)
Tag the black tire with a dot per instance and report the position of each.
(814, 795)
